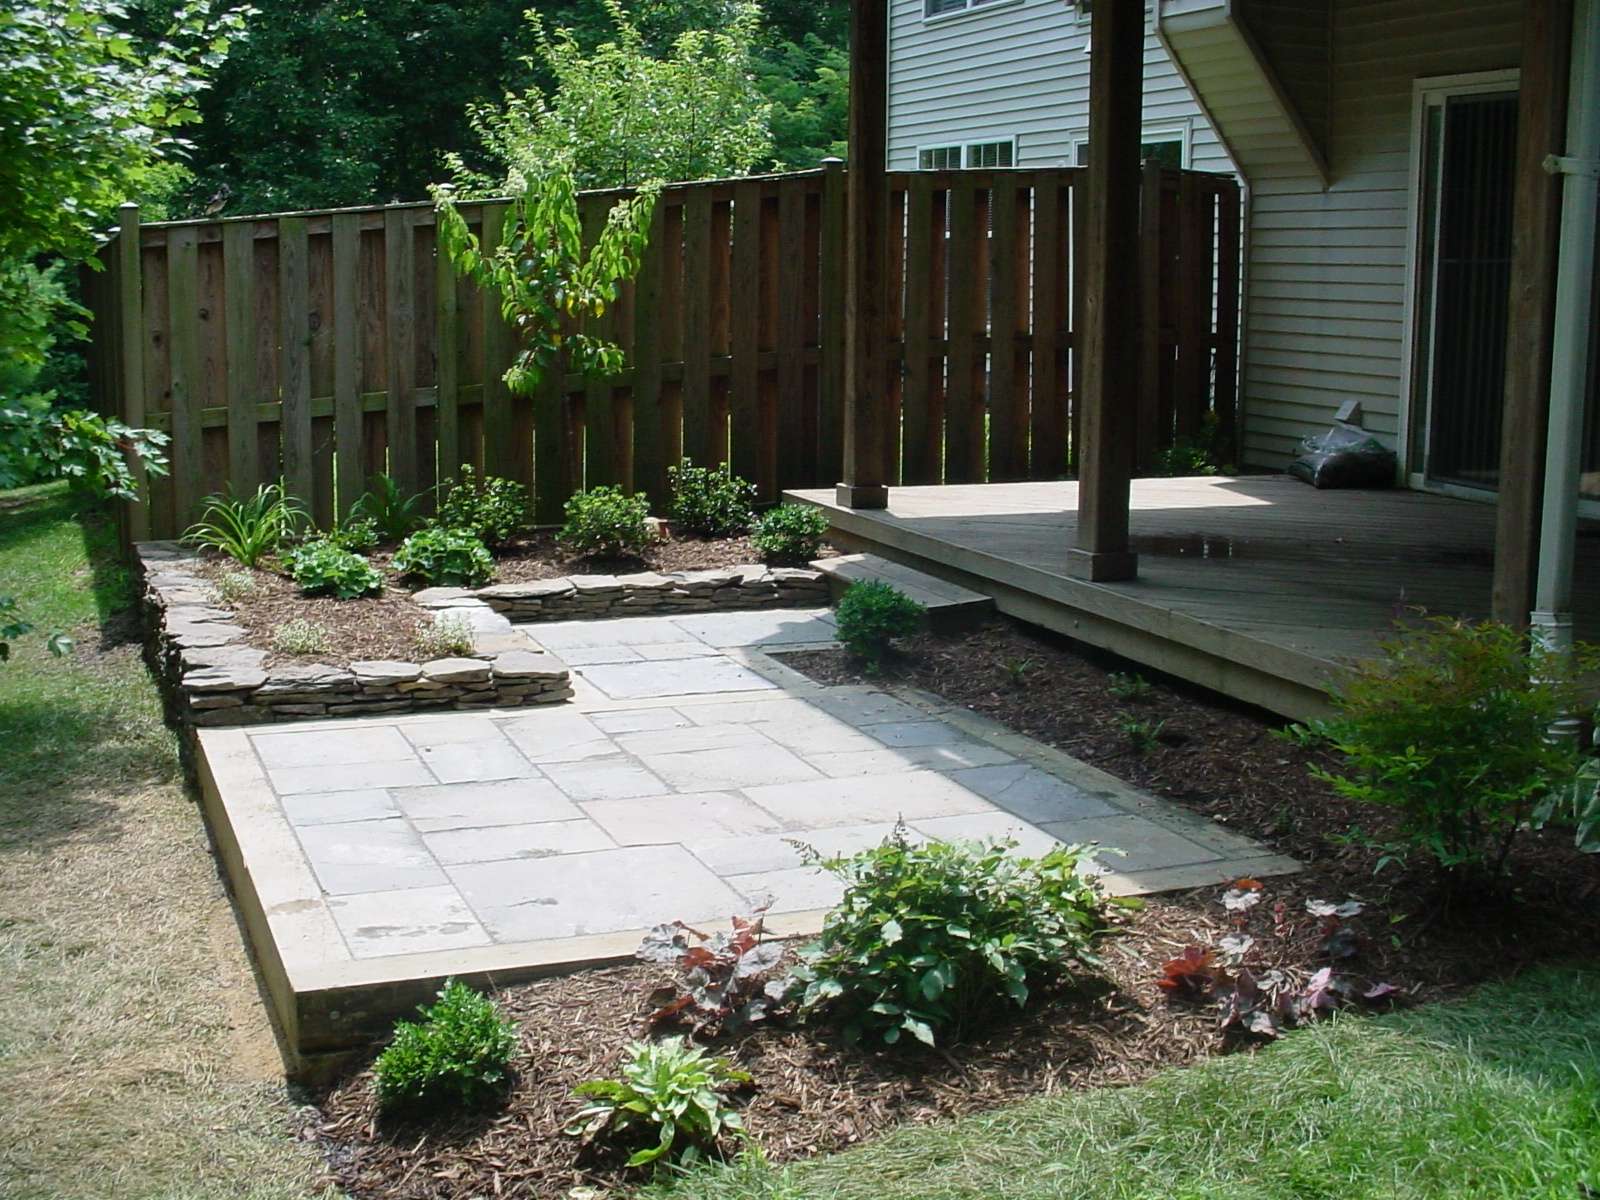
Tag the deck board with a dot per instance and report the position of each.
(1263, 572)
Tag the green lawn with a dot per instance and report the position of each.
(1496, 1096)
(135, 1058)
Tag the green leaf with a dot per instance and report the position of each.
(891, 932)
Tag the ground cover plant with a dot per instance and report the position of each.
(790, 533)
(457, 1057)
(873, 615)
(445, 635)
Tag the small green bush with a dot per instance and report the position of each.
(670, 1093)
(301, 637)
(391, 511)
(322, 569)
(871, 615)
(359, 534)
(448, 635)
(457, 1056)
(445, 557)
(710, 500)
(247, 530)
(1448, 728)
(485, 505)
(790, 533)
(931, 939)
(606, 521)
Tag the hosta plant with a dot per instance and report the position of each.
(725, 980)
(458, 1056)
(485, 505)
(932, 938)
(710, 500)
(322, 568)
(671, 1097)
(248, 529)
(443, 557)
(606, 522)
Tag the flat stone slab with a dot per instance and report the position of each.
(379, 855)
(948, 604)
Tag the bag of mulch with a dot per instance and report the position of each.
(1344, 458)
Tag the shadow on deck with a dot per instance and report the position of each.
(1260, 588)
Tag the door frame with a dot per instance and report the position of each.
(1413, 427)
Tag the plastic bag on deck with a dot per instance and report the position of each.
(1344, 458)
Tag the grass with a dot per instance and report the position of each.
(135, 1057)
(1495, 1096)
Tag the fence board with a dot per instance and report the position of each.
(697, 327)
(239, 283)
(350, 464)
(649, 464)
(748, 459)
(294, 356)
(830, 317)
(447, 364)
(500, 455)
(1008, 394)
(797, 462)
(597, 425)
(1225, 401)
(963, 421)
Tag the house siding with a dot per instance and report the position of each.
(1327, 268)
(1017, 69)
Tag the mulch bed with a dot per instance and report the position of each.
(812, 1094)
(541, 556)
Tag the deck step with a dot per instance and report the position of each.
(949, 605)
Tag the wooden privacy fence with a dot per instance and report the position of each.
(326, 346)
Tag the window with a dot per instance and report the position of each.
(974, 155)
(938, 8)
(1083, 10)
(1169, 149)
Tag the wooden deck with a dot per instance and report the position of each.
(1256, 587)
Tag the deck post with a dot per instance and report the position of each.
(1110, 318)
(866, 280)
(1535, 248)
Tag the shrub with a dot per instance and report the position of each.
(929, 939)
(485, 505)
(322, 568)
(457, 1056)
(871, 615)
(355, 533)
(393, 514)
(1448, 728)
(710, 500)
(445, 557)
(300, 636)
(605, 521)
(790, 533)
(234, 586)
(249, 529)
(448, 635)
(670, 1092)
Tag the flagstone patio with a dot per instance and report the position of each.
(375, 858)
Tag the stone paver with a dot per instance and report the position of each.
(676, 786)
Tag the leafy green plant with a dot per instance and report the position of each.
(1448, 729)
(300, 637)
(358, 534)
(234, 586)
(394, 514)
(13, 626)
(1018, 670)
(790, 533)
(1125, 685)
(670, 1095)
(322, 568)
(543, 273)
(871, 615)
(710, 500)
(725, 980)
(247, 530)
(1577, 804)
(93, 453)
(447, 635)
(1143, 736)
(606, 521)
(1193, 455)
(485, 505)
(445, 557)
(930, 938)
(458, 1056)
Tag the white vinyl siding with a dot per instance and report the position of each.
(1017, 69)
(1327, 268)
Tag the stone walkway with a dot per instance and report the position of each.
(673, 787)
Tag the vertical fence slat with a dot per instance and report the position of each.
(349, 437)
(183, 284)
(649, 466)
(1079, 261)
(243, 382)
(400, 349)
(1193, 310)
(1047, 453)
(130, 325)
(923, 302)
(447, 362)
(1008, 400)
(797, 451)
(697, 326)
(1147, 417)
(499, 450)
(294, 357)
(721, 326)
(963, 424)
(895, 337)
(1227, 359)
(830, 303)
(745, 409)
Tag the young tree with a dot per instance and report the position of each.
(621, 115)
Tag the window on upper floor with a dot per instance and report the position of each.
(939, 158)
(991, 154)
(938, 8)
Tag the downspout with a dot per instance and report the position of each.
(1580, 198)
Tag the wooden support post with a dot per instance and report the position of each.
(1535, 249)
(1110, 325)
(866, 299)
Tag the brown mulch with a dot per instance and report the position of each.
(541, 556)
(813, 1094)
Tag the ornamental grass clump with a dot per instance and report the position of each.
(458, 1056)
(932, 939)
(712, 501)
(872, 615)
(1449, 730)
(250, 528)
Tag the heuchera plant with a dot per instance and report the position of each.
(726, 978)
